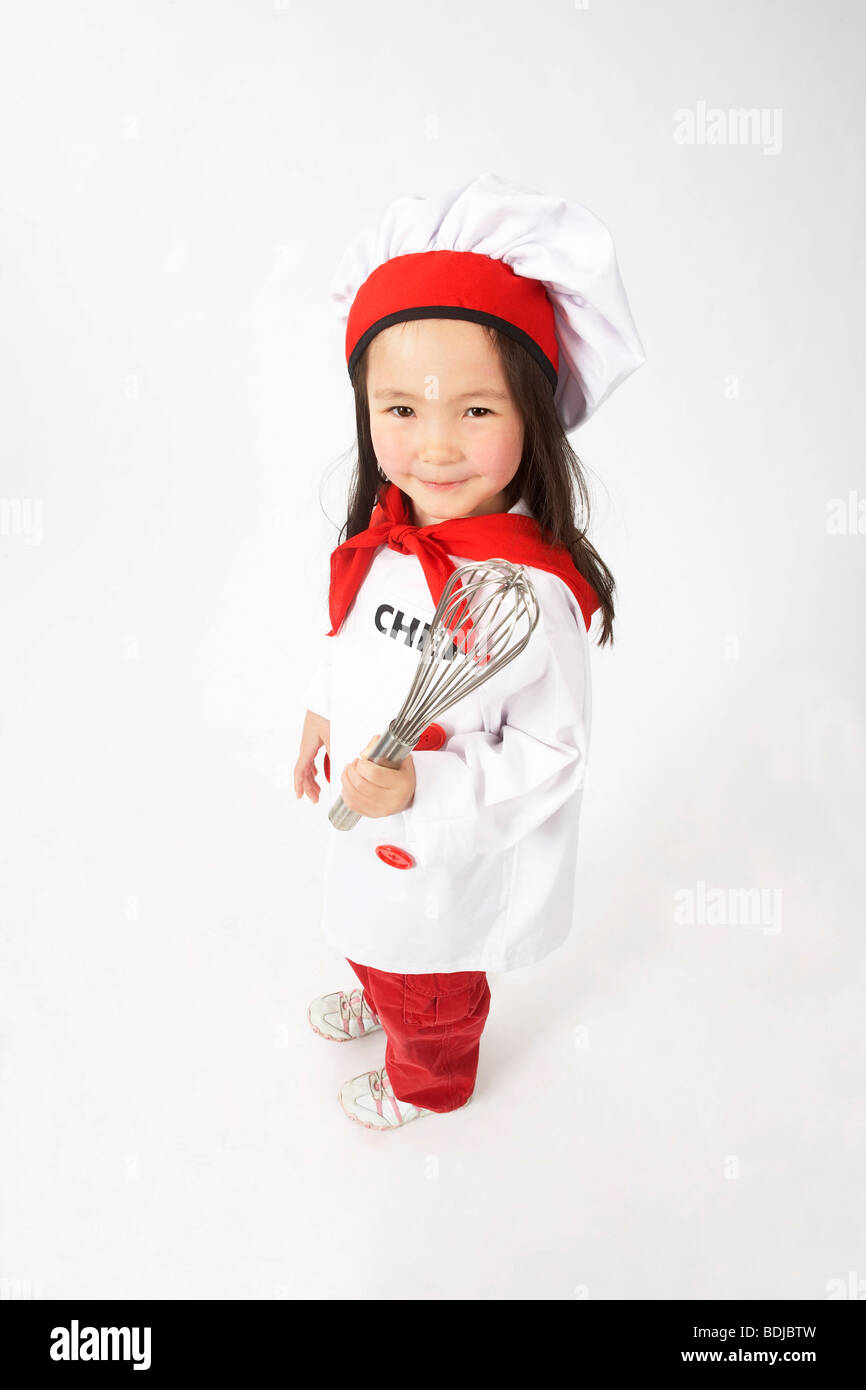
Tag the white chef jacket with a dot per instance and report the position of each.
(493, 825)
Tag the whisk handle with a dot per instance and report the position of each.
(389, 751)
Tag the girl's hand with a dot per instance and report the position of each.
(316, 734)
(377, 791)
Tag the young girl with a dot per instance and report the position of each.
(480, 328)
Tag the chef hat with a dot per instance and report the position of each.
(541, 269)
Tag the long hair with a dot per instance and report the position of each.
(550, 476)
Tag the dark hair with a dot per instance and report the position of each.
(550, 476)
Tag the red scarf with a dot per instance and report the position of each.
(506, 535)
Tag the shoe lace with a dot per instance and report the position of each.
(355, 1004)
(381, 1089)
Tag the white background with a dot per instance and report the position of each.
(663, 1110)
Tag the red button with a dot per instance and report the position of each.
(327, 768)
(397, 858)
(434, 736)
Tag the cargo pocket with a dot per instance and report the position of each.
(429, 1000)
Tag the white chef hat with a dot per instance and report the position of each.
(541, 268)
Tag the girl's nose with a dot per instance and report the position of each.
(437, 451)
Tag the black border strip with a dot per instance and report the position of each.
(455, 311)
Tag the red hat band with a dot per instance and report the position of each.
(454, 285)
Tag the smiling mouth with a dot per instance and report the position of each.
(443, 486)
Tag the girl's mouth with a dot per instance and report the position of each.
(442, 487)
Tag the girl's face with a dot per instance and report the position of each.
(444, 426)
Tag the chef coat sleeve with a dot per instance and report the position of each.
(483, 791)
(317, 694)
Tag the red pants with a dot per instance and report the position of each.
(433, 1025)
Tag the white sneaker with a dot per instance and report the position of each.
(342, 1015)
(369, 1099)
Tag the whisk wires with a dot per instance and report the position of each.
(476, 617)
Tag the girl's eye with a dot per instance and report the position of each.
(480, 407)
(400, 407)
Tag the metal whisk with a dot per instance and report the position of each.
(483, 620)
